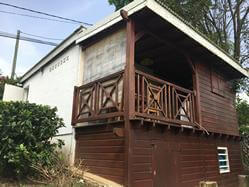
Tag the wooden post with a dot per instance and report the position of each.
(197, 93)
(129, 98)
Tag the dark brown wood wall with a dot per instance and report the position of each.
(102, 151)
(187, 158)
(218, 113)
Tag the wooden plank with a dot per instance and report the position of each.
(196, 84)
(107, 142)
(104, 163)
(100, 116)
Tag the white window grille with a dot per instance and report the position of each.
(223, 160)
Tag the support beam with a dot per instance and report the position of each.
(197, 94)
(129, 98)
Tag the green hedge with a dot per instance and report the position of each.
(26, 131)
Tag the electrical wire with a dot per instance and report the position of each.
(14, 36)
(37, 17)
(43, 13)
(40, 36)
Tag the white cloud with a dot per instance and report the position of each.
(5, 66)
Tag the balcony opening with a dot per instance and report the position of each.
(154, 57)
(164, 82)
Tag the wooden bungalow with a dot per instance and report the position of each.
(156, 105)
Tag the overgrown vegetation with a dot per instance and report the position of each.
(242, 108)
(61, 173)
(26, 131)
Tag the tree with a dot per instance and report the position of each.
(242, 108)
(119, 3)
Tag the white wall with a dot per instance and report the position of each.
(54, 85)
(13, 93)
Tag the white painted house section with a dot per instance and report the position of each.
(53, 85)
(13, 93)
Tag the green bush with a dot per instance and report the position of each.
(26, 131)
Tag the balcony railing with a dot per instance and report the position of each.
(163, 101)
(155, 99)
(98, 100)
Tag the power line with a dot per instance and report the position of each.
(37, 17)
(43, 13)
(40, 36)
(14, 36)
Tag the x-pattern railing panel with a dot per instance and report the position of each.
(156, 97)
(99, 98)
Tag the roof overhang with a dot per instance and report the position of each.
(52, 54)
(170, 17)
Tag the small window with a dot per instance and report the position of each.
(26, 94)
(218, 83)
(223, 159)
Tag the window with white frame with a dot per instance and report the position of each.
(223, 159)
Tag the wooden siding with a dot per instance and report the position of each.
(218, 113)
(188, 158)
(102, 151)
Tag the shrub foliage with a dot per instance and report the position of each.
(26, 131)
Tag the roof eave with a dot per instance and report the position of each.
(53, 53)
(114, 18)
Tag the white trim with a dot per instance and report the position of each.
(222, 160)
(114, 18)
(52, 54)
(168, 16)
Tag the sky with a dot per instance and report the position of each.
(89, 11)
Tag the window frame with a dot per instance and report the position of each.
(26, 94)
(226, 160)
(217, 83)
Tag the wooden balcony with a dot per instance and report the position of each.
(155, 99)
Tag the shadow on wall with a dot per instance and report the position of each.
(68, 148)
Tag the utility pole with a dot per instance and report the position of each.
(15, 55)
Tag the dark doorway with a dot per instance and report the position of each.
(164, 165)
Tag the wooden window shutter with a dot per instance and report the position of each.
(217, 83)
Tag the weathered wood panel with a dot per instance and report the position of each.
(217, 111)
(188, 158)
(102, 151)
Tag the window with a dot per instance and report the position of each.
(218, 83)
(223, 159)
(26, 94)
